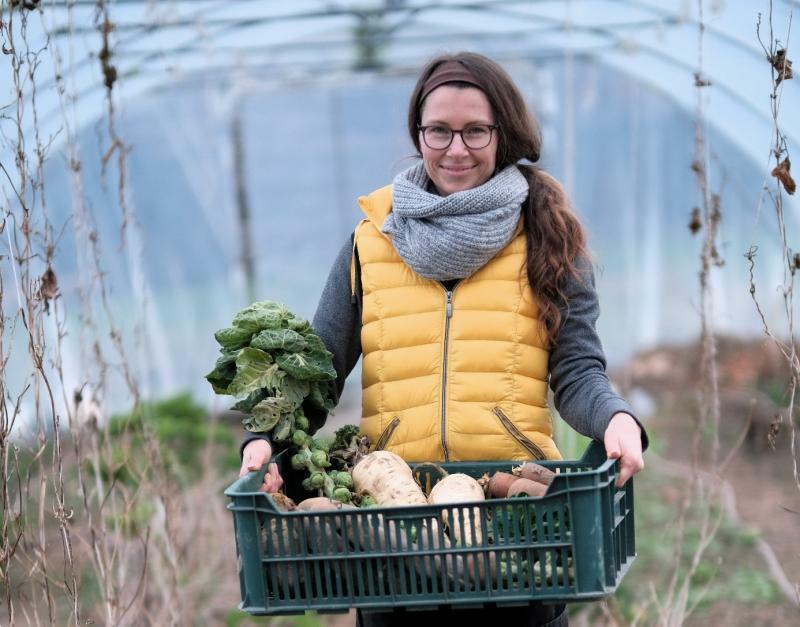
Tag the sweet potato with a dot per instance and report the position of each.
(526, 487)
(499, 483)
(535, 472)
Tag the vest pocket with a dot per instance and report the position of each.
(388, 432)
(514, 431)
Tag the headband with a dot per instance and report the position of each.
(448, 72)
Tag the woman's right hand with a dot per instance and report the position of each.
(257, 453)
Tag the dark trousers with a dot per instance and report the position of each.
(536, 615)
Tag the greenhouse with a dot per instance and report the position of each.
(167, 163)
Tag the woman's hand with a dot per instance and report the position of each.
(255, 455)
(623, 441)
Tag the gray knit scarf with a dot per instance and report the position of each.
(450, 237)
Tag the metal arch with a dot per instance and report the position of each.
(410, 11)
(498, 6)
(608, 31)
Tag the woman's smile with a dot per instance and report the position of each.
(457, 167)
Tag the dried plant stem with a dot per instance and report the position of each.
(778, 151)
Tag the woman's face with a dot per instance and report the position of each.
(457, 167)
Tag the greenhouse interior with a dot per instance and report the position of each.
(167, 163)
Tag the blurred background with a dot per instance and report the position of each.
(165, 163)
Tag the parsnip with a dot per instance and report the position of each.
(388, 478)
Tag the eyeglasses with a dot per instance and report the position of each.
(440, 137)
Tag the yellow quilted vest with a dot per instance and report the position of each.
(450, 376)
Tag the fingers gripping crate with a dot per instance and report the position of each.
(573, 544)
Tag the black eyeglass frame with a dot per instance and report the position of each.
(492, 128)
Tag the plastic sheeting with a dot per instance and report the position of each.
(612, 83)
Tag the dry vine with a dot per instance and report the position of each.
(776, 56)
(63, 486)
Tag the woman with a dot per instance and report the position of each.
(468, 289)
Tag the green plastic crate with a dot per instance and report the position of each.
(573, 544)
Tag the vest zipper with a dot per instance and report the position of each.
(448, 315)
(514, 431)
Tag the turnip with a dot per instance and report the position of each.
(460, 488)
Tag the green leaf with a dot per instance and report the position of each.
(254, 370)
(301, 325)
(320, 395)
(307, 367)
(254, 398)
(295, 390)
(261, 315)
(315, 345)
(232, 338)
(267, 413)
(224, 372)
(283, 339)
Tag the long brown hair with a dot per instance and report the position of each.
(555, 237)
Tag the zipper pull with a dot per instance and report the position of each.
(449, 304)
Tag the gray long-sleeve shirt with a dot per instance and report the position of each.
(582, 392)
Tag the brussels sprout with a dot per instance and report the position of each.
(301, 422)
(343, 480)
(307, 484)
(368, 501)
(342, 495)
(298, 462)
(320, 459)
(317, 480)
(320, 444)
(299, 437)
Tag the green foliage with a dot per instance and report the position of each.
(134, 521)
(730, 568)
(272, 362)
(182, 430)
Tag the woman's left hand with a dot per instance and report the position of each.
(623, 441)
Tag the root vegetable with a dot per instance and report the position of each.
(460, 488)
(526, 487)
(499, 484)
(321, 504)
(323, 533)
(283, 502)
(388, 479)
(535, 472)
